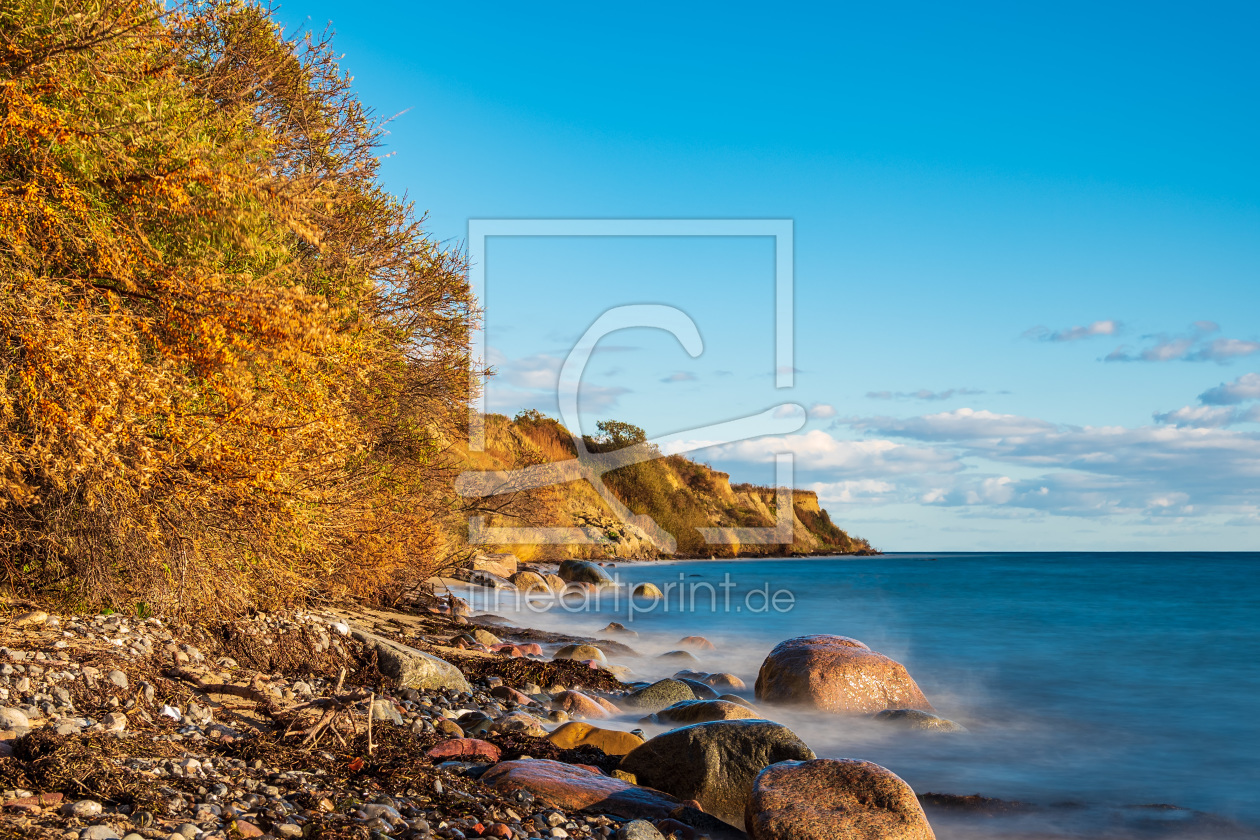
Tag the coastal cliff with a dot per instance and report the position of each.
(678, 494)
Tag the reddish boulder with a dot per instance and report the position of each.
(836, 674)
(570, 787)
(464, 748)
(826, 798)
(697, 643)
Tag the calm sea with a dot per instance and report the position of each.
(1093, 685)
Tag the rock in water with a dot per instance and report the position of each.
(827, 798)
(584, 571)
(701, 711)
(836, 674)
(581, 652)
(648, 590)
(915, 719)
(570, 787)
(714, 763)
(530, 582)
(658, 695)
(696, 643)
(412, 668)
(579, 705)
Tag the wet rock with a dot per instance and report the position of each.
(723, 683)
(611, 741)
(411, 668)
(584, 571)
(915, 719)
(503, 692)
(702, 690)
(522, 722)
(700, 711)
(648, 590)
(616, 628)
(714, 763)
(679, 656)
(827, 798)
(530, 582)
(658, 695)
(554, 582)
(581, 652)
(697, 643)
(836, 674)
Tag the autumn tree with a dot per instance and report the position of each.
(233, 363)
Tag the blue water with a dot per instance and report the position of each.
(1105, 680)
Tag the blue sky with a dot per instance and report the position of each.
(1027, 241)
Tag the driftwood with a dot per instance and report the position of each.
(334, 711)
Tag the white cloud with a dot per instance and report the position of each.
(923, 394)
(1097, 328)
(680, 376)
(817, 450)
(1199, 417)
(822, 411)
(1242, 389)
(865, 490)
(1191, 347)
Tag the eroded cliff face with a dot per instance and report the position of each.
(675, 494)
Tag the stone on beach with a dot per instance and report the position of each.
(678, 656)
(616, 627)
(611, 741)
(836, 674)
(464, 748)
(572, 788)
(697, 643)
(700, 711)
(584, 571)
(826, 798)
(578, 704)
(581, 653)
(411, 668)
(714, 763)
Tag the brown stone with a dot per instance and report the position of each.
(530, 582)
(578, 704)
(570, 787)
(724, 682)
(464, 748)
(827, 798)
(697, 643)
(611, 741)
(446, 726)
(246, 829)
(836, 674)
(699, 711)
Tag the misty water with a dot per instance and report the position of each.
(1093, 685)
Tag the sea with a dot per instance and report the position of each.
(1105, 695)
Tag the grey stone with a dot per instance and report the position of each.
(411, 668)
(658, 695)
(119, 679)
(584, 571)
(98, 832)
(639, 830)
(714, 763)
(11, 718)
(84, 808)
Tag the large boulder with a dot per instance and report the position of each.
(503, 564)
(571, 788)
(584, 571)
(529, 582)
(658, 695)
(700, 711)
(836, 674)
(578, 704)
(578, 734)
(411, 668)
(828, 797)
(648, 590)
(714, 763)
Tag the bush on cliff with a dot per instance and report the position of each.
(230, 358)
